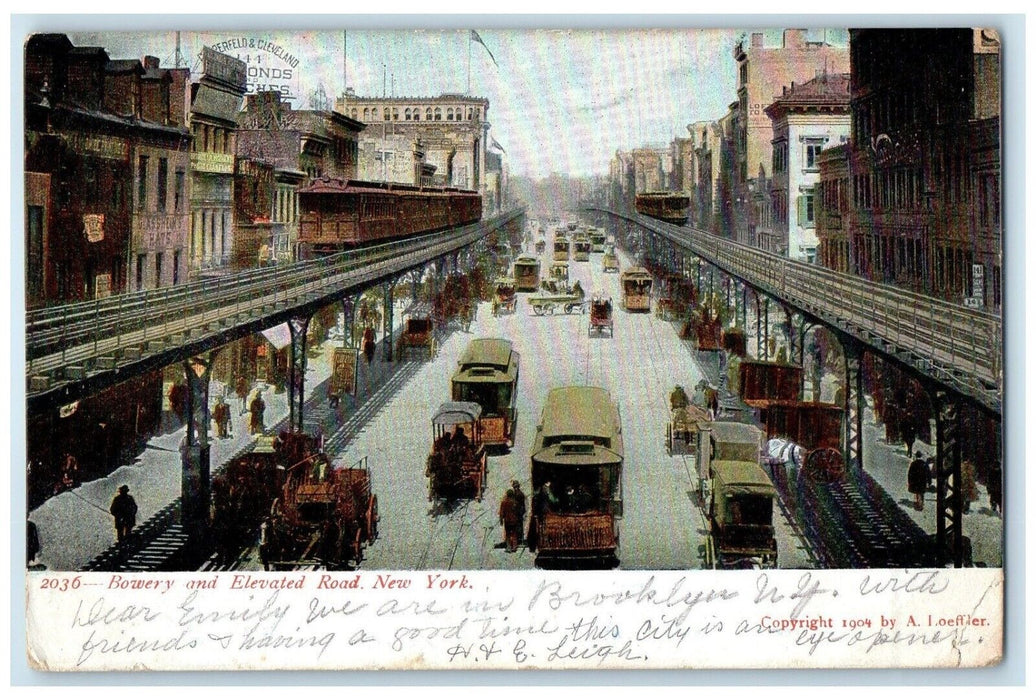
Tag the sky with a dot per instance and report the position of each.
(560, 100)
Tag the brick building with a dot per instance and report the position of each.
(924, 161)
(106, 143)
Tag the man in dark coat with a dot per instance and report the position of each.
(124, 509)
(510, 520)
(519, 499)
(258, 407)
(917, 480)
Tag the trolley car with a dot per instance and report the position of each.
(487, 374)
(527, 273)
(636, 289)
(577, 459)
(671, 207)
(560, 247)
(581, 248)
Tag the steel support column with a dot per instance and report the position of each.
(297, 371)
(949, 503)
(766, 329)
(349, 319)
(758, 329)
(389, 323)
(195, 486)
(854, 403)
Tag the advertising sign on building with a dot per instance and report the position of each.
(978, 283)
(343, 373)
(103, 286)
(93, 227)
(269, 66)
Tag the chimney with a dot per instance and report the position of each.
(151, 63)
(757, 40)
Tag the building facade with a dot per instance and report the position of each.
(762, 72)
(295, 146)
(807, 119)
(451, 132)
(215, 102)
(924, 161)
(105, 172)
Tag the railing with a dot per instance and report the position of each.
(951, 343)
(58, 336)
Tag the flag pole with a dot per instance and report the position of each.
(469, 63)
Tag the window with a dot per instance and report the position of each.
(176, 266)
(34, 251)
(812, 153)
(178, 193)
(158, 270)
(438, 114)
(449, 114)
(141, 262)
(406, 114)
(142, 182)
(163, 183)
(428, 114)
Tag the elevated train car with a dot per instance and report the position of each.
(671, 207)
(337, 214)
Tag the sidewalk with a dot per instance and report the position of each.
(75, 526)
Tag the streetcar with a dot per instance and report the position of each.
(487, 374)
(577, 459)
(560, 247)
(527, 273)
(581, 248)
(739, 497)
(636, 289)
(671, 207)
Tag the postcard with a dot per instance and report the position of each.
(485, 348)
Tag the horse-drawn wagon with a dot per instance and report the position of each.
(418, 333)
(600, 316)
(456, 466)
(504, 299)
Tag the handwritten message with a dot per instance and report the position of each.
(511, 620)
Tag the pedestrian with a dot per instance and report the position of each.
(917, 480)
(509, 519)
(266, 538)
(968, 487)
(932, 480)
(124, 509)
(909, 430)
(995, 487)
(520, 501)
(32, 542)
(221, 417)
(258, 407)
(241, 389)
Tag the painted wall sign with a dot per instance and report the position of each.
(268, 65)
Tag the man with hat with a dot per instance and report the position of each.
(124, 509)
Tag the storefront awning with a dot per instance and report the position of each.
(279, 336)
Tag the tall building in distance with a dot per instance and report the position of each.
(408, 135)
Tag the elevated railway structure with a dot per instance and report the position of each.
(79, 349)
(954, 351)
